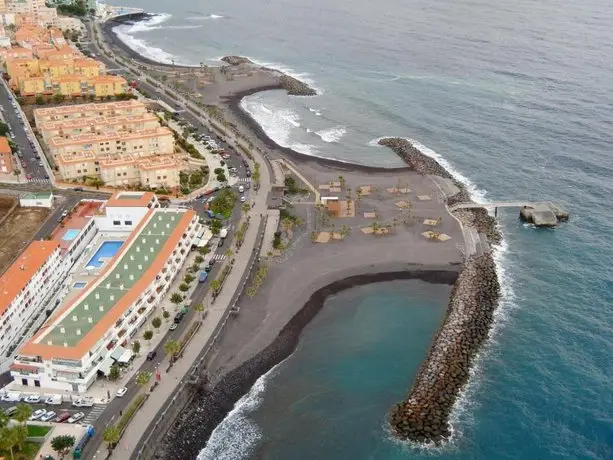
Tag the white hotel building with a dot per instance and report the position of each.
(129, 261)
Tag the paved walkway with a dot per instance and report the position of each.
(216, 313)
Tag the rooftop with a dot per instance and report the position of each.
(4, 145)
(130, 199)
(23, 269)
(95, 109)
(84, 320)
(89, 138)
(76, 221)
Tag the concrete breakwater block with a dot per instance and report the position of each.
(424, 415)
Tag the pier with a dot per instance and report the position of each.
(541, 214)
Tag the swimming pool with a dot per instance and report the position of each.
(70, 234)
(79, 285)
(105, 252)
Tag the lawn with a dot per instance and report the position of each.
(30, 449)
(38, 430)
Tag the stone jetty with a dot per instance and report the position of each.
(293, 86)
(423, 416)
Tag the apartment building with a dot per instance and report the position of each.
(91, 329)
(6, 156)
(32, 11)
(108, 109)
(23, 287)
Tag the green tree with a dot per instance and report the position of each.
(148, 335)
(199, 307)
(156, 322)
(111, 436)
(136, 347)
(189, 278)
(176, 298)
(229, 253)
(21, 433)
(216, 226)
(246, 207)
(183, 287)
(58, 98)
(62, 444)
(114, 373)
(24, 412)
(40, 100)
(215, 285)
(143, 378)
(204, 250)
(166, 315)
(199, 259)
(8, 440)
(171, 348)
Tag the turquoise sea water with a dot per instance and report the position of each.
(516, 98)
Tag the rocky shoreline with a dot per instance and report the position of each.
(423, 417)
(293, 86)
(215, 403)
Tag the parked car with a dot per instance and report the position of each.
(62, 417)
(121, 392)
(38, 413)
(83, 402)
(40, 163)
(53, 400)
(207, 268)
(243, 198)
(11, 397)
(248, 173)
(173, 326)
(76, 417)
(151, 355)
(32, 399)
(178, 317)
(10, 411)
(212, 262)
(78, 189)
(241, 189)
(47, 416)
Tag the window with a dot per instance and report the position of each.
(128, 222)
(116, 222)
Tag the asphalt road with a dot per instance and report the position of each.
(33, 169)
(91, 413)
(112, 410)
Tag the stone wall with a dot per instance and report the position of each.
(424, 415)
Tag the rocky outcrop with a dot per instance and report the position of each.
(413, 157)
(423, 416)
(236, 60)
(295, 87)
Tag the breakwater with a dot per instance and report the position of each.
(424, 415)
(211, 403)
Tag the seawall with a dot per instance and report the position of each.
(213, 404)
(423, 416)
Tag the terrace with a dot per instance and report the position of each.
(89, 306)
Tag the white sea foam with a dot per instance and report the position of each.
(278, 124)
(302, 76)
(332, 134)
(237, 434)
(204, 18)
(126, 34)
(315, 111)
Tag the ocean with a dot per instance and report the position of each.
(516, 100)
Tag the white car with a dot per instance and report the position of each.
(32, 399)
(76, 417)
(83, 402)
(48, 416)
(11, 397)
(53, 401)
(37, 414)
(122, 391)
(243, 199)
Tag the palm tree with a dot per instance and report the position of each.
(143, 378)
(171, 348)
(136, 347)
(229, 253)
(201, 308)
(111, 436)
(215, 285)
(8, 440)
(156, 322)
(148, 335)
(24, 412)
(246, 207)
(176, 298)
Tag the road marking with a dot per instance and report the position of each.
(94, 414)
(219, 257)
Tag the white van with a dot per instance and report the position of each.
(241, 189)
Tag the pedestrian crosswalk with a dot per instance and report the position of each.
(218, 257)
(39, 180)
(94, 414)
(244, 179)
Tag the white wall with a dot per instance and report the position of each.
(116, 218)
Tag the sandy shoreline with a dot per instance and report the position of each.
(215, 404)
(264, 334)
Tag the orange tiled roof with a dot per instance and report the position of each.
(138, 201)
(23, 269)
(31, 348)
(4, 145)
